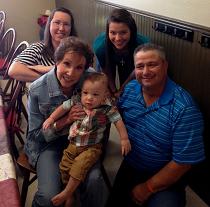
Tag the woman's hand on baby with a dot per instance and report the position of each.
(125, 146)
(76, 113)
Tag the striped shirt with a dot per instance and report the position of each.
(33, 55)
(170, 129)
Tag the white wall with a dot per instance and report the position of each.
(191, 11)
(23, 14)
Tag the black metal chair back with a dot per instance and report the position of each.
(2, 23)
(7, 44)
(2, 15)
(13, 110)
(21, 46)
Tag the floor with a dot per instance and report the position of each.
(112, 163)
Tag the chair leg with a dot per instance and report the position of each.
(25, 185)
(32, 179)
(13, 147)
(20, 138)
(106, 178)
(25, 113)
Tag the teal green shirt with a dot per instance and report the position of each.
(124, 62)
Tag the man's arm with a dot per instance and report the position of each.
(167, 176)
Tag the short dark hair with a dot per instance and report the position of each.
(151, 46)
(74, 44)
(97, 76)
(49, 49)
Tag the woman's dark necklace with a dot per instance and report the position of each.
(121, 56)
(122, 62)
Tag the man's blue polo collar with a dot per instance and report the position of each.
(164, 99)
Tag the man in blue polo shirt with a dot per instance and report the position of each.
(165, 130)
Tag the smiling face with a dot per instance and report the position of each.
(150, 70)
(119, 35)
(60, 27)
(93, 94)
(70, 69)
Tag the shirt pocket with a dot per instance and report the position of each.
(46, 108)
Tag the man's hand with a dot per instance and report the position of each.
(140, 193)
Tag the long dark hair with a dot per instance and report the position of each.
(120, 16)
(49, 49)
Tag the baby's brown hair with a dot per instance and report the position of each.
(96, 76)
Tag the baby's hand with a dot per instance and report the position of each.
(125, 146)
(48, 122)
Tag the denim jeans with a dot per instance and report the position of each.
(93, 191)
(48, 173)
(128, 177)
(167, 198)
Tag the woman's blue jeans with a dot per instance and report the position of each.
(93, 191)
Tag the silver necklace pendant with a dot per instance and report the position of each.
(122, 62)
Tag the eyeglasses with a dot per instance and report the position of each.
(59, 23)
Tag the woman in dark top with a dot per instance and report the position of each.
(114, 48)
